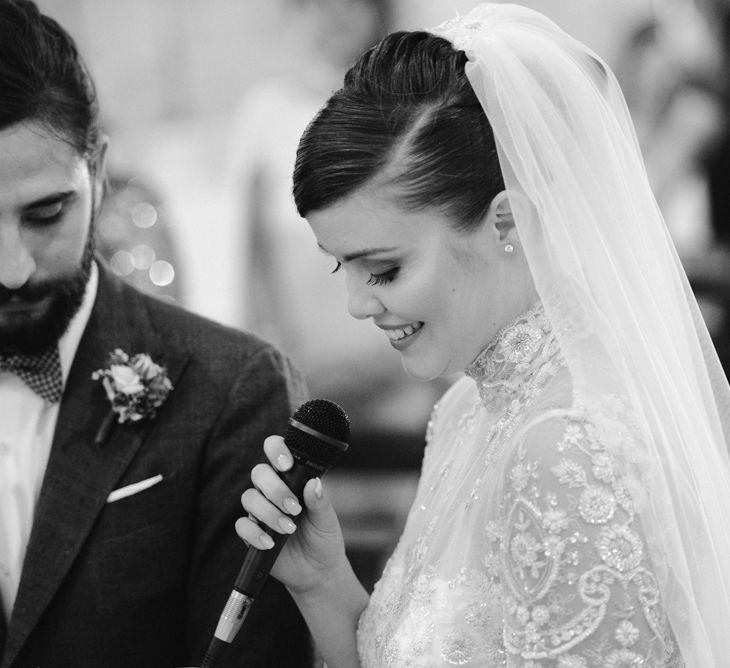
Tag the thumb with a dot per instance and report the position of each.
(314, 496)
(319, 508)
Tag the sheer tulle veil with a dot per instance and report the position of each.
(613, 287)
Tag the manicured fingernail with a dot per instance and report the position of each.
(318, 488)
(284, 462)
(287, 526)
(292, 505)
(266, 541)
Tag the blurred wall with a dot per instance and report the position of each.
(160, 60)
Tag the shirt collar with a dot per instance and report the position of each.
(69, 342)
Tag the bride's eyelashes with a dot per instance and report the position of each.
(383, 278)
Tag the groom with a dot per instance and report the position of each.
(117, 541)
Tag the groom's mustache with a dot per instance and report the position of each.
(30, 292)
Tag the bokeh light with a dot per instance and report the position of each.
(162, 273)
(122, 263)
(144, 215)
(143, 256)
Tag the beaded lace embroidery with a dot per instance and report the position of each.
(518, 362)
(523, 547)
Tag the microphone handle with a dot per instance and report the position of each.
(256, 566)
(258, 563)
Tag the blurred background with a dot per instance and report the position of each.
(204, 101)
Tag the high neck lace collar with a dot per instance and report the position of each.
(514, 358)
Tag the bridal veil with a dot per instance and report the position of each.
(615, 292)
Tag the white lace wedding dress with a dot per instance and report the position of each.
(523, 547)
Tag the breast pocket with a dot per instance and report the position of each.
(142, 538)
(137, 507)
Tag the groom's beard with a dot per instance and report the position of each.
(40, 331)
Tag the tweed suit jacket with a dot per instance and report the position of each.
(139, 582)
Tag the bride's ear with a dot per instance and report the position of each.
(500, 222)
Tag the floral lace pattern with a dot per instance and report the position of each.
(516, 364)
(579, 587)
(523, 547)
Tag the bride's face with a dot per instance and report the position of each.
(439, 295)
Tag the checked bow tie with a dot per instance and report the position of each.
(41, 372)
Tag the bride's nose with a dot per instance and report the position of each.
(362, 302)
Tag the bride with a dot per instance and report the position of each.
(482, 189)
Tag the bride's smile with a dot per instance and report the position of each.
(400, 333)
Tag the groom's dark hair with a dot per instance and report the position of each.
(43, 78)
(406, 116)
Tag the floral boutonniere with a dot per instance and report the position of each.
(135, 386)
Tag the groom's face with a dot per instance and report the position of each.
(47, 195)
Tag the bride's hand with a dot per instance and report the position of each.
(315, 548)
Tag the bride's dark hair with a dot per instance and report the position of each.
(406, 113)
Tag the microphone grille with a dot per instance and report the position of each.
(325, 417)
(329, 422)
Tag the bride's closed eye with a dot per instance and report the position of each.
(384, 277)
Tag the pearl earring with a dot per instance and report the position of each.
(509, 248)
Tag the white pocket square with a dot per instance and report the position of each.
(134, 488)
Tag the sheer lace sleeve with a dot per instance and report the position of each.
(579, 588)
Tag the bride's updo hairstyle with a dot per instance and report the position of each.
(406, 117)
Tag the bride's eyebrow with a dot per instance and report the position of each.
(349, 257)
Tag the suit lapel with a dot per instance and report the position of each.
(80, 474)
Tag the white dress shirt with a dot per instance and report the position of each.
(27, 425)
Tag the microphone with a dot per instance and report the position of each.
(317, 435)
